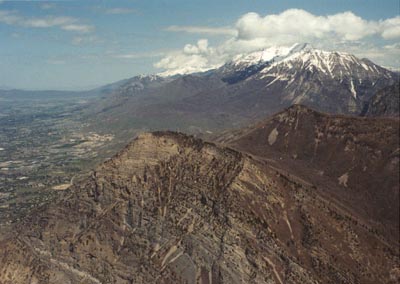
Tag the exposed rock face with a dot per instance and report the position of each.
(357, 157)
(173, 209)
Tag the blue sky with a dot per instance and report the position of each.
(82, 44)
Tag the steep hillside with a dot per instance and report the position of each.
(173, 209)
(385, 102)
(357, 157)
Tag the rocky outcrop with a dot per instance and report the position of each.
(173, 209)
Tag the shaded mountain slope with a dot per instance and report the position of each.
(385, 102)
(173, 209)
(357, 157)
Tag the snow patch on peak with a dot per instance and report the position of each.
(261, 56)
(330, 63)
(301, 47)
(186, 70)
(149, 77)
(352, 89)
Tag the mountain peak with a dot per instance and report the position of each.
(270, 53)
(264, 55)
(297, 47)
(324, 65)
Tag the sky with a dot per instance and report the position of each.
(81, 44)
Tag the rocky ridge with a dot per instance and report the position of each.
(173, 209)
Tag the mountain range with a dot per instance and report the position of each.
(244, 90)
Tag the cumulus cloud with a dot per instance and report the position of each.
(295, 24)
(390, 28)
(193, 58)
(64, 23)
(253, 32)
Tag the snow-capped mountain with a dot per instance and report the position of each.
(327, 80)
(245, 65)
(250, 87)
(139, 83)
(337, 65)
(324, 65)
(285, 61)
(259, 57)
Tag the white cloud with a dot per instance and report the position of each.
(295, 24)
(47, 22)
(203, 30)
(78, 28)
(395, 46)
(64, 23)
(391, 28)
(120, 11)
(342, 31)
(194, 58)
